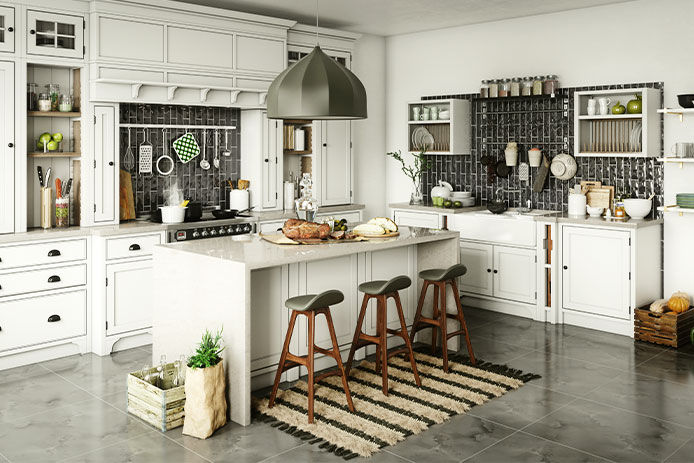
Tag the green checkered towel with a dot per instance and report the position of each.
(186, 147)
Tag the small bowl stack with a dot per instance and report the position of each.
(465, 197)
(685, 200)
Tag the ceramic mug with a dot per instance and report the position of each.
(425, 114)
(604, 103)
(415, 113)
(434, 110)
(591, 107)
(683, 150)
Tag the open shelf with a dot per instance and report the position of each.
(612, 154)
(53, 114)
(677, 111)
(437, 121)
(679, 210)
(610, 116)
(674, 160)
(54, 154)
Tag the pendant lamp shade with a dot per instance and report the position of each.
(316, 87)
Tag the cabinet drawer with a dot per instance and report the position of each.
(43, 279)
(51, 252)
(416, 219)
(25, 322)
(131, 246)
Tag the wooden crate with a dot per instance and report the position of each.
(162, 408)
(669, 328)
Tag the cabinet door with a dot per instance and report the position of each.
(336, 163)
(596, 265)
(6, 29)
(55, 34)
(271, 169)
(7, 147)
(416, 219)
(130, 295)
(478, 259)
(268, 316)
(105, 185)
(384, 265)
(514, 274)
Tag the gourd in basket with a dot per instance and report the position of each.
(678, 302)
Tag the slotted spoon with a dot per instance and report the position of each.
(204, 164)
(226, 152)
(129, 158)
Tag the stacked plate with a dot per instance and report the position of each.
(685, 200)
(465, 197)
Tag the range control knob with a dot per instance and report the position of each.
(230, 230)
(213, 232)
(247, 228)
(222, 231)
(196, 234)
(205, 233)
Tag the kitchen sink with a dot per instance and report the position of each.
(518, 227)
(516, 214)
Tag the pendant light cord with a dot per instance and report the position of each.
(317, 44)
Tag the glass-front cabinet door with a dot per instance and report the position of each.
(55, 34)
(6, 29)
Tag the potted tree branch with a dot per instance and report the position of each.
(413, 172)
(206, 405)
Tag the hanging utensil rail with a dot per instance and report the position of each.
(173, 126)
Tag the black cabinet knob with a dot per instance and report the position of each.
(32, 32)
(53, 279)
(10, 29)
(489, 270)
(53, 318)
(267, 160)
(134, 247)
(325, 144)
(496, 271)
(53, 253)
(10, 145)
(110, 163)
(566, 268)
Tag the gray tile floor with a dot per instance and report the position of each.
(601, 398)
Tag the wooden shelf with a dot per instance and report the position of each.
(437, 121)
(674, 160)
(53, 114)
(677, 111)
(588, 154)
(54, 154)
(610, 116)
(679, 210)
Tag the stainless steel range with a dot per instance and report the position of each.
(210, 228)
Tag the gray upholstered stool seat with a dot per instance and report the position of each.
(377, 287)
(442, 274)
(315, 301)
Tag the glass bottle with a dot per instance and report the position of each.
(505, 88)
(306, 204)
(537, 85)
(53, 91)
(551, 85)
(484, 89)
(44, 102)
(32, 96)
(494, 88)
(515, 86)
(162, 372)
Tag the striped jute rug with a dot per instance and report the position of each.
(379, 420)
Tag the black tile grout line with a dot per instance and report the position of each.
(283, 452)
(137, 420)
(664, 460)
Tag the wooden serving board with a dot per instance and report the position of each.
(279, 238)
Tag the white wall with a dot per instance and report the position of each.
(369, 135)
(639, 41)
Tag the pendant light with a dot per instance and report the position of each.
(316, 87)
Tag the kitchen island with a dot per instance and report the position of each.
(240, 284)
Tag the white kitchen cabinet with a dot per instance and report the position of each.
(130, 296)
(596, 271)
(105, 164)
(271, 163)
(7, 29)
(259, 54)
(262, 159)
(211, 48)
(478, 258)
(335, 148)
(51, 34)
(269, 317)
(7, 147)
(410, 218)
(514, 274)
(121, 39)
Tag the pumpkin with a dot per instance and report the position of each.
(659, 306)
(679, 302)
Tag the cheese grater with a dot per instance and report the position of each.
(145, 159)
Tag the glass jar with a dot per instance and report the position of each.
(505, 88)
(65, 105)
(527, 89)
(62, 212)
(484, 89)
(537, 85)
(493, 89)
(515, 86)
(53, 91)
(32, 97)
(551, 85)
(44, 102)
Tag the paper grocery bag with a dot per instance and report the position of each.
(206, 404)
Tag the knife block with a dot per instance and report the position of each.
(46, 207)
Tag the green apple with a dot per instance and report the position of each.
(52, 145)
(58, 137)
(457, 204)
(45, 137)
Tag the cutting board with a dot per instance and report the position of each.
(279, 238)
(126, 199)
(597, 194)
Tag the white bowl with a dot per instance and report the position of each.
(172, 214)
(594, 211)
(637, 208)
(461, 194)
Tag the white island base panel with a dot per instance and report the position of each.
(241, 285)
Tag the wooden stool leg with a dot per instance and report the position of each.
(311, 346)
(283, 358)
(444, 327)
(382, 309)
(338, 359)
(434, 316)
(418, 313)
(379, 328)
(403, 327)
(463, 325)
(357, 331)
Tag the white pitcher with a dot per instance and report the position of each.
(604, 103)
(591, 107)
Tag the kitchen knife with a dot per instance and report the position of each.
(40, 172)
(68, 187)
(47, 180)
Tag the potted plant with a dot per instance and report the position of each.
(206, 405)
(413, 172)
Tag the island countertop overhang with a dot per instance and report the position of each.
(256, 253)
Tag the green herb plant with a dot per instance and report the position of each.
(415, 170)
(207, 353)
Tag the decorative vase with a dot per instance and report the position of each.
(417, 197)
(634, 106)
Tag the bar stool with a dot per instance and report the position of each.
(439, 278)
(310, 305)
(381, 290)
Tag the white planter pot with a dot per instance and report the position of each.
(534, 157)
(511, 156)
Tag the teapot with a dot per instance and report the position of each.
(443, 190)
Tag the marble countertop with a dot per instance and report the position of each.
(284, 215)
(255, 252)
(37, 234)
(602, 222)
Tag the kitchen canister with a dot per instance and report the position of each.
(238, 199)
(534, 157)
(511, 153)
(46, 207)
(577, 204)
(289, 190)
